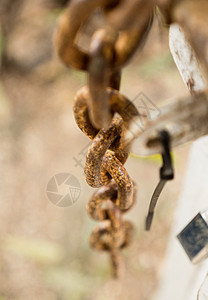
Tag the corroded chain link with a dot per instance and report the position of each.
(103, 113)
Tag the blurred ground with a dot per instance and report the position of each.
(44, 251)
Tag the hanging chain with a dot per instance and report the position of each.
(103, 113)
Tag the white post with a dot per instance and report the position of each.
(181, 279)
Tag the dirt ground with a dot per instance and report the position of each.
(44, 250)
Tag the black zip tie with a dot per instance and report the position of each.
(166, 173)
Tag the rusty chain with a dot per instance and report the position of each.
(95, 108)
(102, 112)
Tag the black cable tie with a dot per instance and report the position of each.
(166, 173)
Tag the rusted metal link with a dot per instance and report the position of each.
(105, 193)
(70, 23)
(104, 238)
(77, 14)
(101, 196)
(96, 176)
(118, 173)
(118, 104)
(81, 114)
